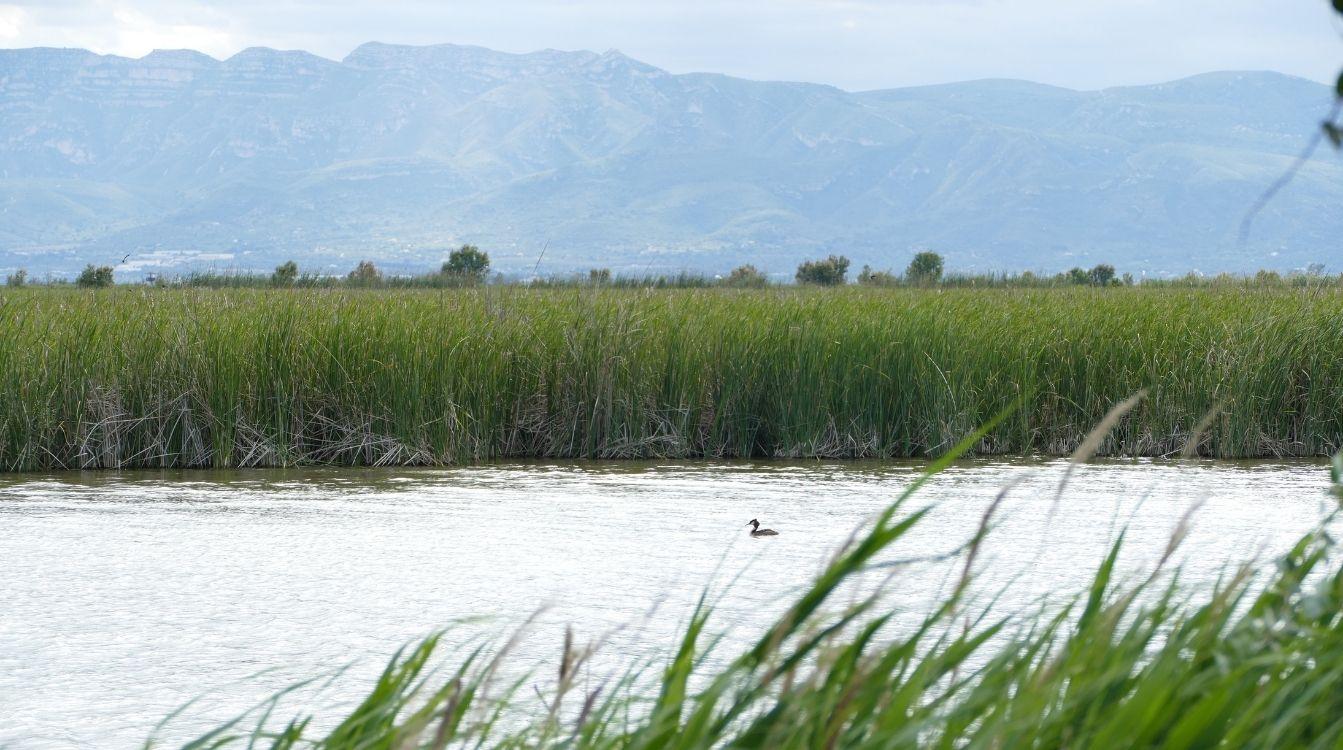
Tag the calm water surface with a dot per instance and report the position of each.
(124, 595)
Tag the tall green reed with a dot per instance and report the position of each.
(201, 377)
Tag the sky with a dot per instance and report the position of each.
(853, 44)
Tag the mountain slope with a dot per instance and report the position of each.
(396, 153)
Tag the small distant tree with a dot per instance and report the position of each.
(285, 274)
(365, 274)
(1101, 275)
(467, 263)
(1268, 278)
(18, 278)
(599, 276)
(746, 277)
(1076, 276)
(925, 268)
(95, 276)
(828, 272)
(869, 277)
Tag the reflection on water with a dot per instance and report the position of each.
(124, 595)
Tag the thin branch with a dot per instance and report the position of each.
(1247, 223)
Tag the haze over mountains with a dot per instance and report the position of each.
(396, 154)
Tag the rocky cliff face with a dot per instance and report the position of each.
(396, 153)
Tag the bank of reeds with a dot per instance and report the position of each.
(1250, 662)
(124, 377)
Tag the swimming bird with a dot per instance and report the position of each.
(757, 531)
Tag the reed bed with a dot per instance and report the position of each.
(146, 377)
(1251, 662)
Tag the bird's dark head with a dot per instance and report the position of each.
(754, 523)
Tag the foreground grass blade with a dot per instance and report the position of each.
(1254, 663)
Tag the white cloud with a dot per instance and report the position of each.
(11, 22)
(122, 27)
(137, 34)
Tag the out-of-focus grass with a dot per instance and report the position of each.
(1246, 664)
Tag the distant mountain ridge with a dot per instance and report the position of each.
(397, 153)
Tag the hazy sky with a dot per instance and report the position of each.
(854, 44)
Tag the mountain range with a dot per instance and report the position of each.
(560, 161)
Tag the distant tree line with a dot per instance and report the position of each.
(465, 266)
(469, 266)
(927, 269)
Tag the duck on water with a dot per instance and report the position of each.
(757, 531)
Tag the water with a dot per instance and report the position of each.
(124, 595)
